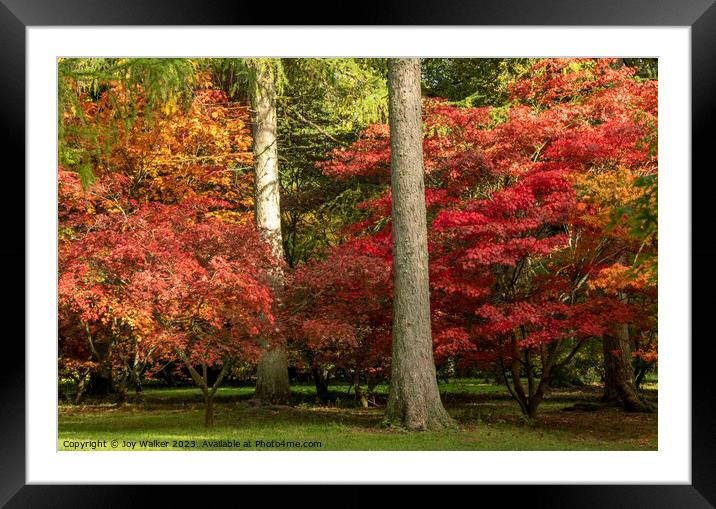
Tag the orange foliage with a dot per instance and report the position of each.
(171, 154)
(619, 278)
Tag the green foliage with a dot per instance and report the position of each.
(322, 103)
(584, 368)
(129, 86)
(325, 104)
(237, 75)
(472, 81)
(157, 80)
(354, 91)
(644, 210)
(646, 68)
(499, 115)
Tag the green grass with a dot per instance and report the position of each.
(487, 418)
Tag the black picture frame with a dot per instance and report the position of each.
(699, 15)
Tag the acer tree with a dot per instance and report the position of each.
(90, 316)
(630, 278)
(142, 150)
(617, 162)
(169, 282)
(518, 240)
(339, 314)
(168, 154)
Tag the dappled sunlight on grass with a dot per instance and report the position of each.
(488, 419)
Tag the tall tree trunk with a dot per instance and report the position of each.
(414, 399)
(272, 384)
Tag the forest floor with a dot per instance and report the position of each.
(487, 417)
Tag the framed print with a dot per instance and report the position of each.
(666, 459)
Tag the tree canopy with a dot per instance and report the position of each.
(541, 219)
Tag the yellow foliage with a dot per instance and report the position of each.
(602, 195)
(182, 153)
(619, 278)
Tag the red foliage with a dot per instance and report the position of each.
(151, 260)
(171, 279)
(340, 311)
(511, 240)
(171, 154)
(525, 252)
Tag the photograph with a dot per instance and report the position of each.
(357, 254)
(422, 248)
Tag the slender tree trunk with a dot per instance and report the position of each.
(360, 395)
(122, 379)
(414, 399)
(371, 381)
(136, 371)
(81, 385)
(272, 384)
(321, 384)
(100, 382)
(202, 381)
(530, 398)
(209, 414)
(137, 378)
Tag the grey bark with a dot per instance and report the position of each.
(414, 399)
(272, 384)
